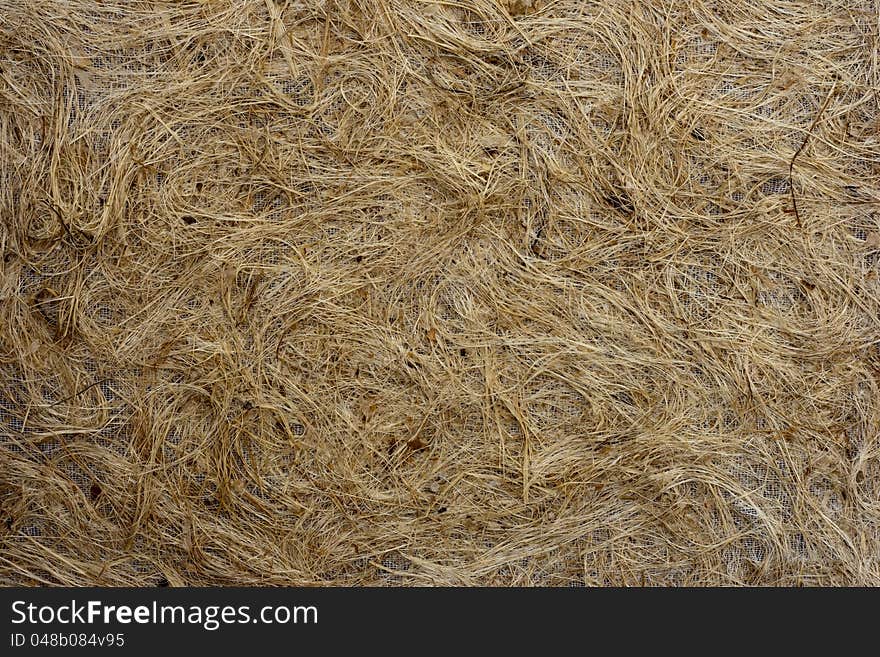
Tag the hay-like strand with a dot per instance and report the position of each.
(419, 292)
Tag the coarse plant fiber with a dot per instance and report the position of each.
(409, 292)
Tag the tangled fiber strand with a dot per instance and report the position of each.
(415, 292)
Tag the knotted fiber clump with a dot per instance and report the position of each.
(395, 292)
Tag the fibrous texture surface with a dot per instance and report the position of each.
(411, 292)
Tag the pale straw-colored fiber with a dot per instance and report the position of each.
(401, 292)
